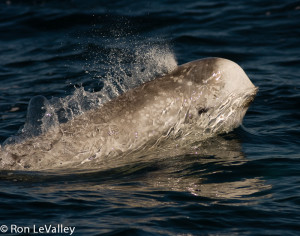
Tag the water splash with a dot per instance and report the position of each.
(127, 64)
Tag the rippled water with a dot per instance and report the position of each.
(242, 183)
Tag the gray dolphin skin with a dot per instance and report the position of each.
(197, 100)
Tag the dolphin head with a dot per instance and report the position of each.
(220, 94)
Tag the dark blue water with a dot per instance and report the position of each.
(243, 183)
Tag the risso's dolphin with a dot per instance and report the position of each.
(195, 101)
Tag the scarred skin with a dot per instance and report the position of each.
(197, 100)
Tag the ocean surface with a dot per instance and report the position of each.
(246, 182)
